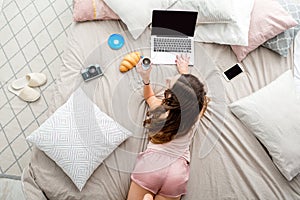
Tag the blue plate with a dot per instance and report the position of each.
(115, 41)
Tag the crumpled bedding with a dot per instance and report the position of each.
(227, 161)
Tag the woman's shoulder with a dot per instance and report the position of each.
(190, 133)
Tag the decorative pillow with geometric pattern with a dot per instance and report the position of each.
(282, 42)
(78, 137)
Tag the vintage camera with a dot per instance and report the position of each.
(91, 72)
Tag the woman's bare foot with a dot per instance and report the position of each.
(182, 63)
(148, 197)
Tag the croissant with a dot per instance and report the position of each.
(129, 61)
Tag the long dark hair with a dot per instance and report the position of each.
(181, 106)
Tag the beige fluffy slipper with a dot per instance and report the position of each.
(26, 93)
(31, 80)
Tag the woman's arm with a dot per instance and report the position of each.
(182, 62)
(149, 95)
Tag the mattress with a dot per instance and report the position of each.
(227, 161)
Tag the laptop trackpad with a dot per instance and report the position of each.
(163, 58)
(166, 58)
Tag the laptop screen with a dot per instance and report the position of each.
(173, 23)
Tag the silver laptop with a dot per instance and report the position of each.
(172, 34)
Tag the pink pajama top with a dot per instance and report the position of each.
(179, 146)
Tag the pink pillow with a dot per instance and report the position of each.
(85, 10)
(268, 19)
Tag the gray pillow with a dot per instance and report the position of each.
(282, 42)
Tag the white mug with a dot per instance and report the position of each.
(146, 62)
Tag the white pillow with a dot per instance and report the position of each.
(272, 114)
(137, 15)
(228, 33)
(78, 137)
(209, 11)
(297, 61)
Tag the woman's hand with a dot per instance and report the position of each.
(145, 74)
(182, 63)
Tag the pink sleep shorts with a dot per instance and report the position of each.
(161, 173)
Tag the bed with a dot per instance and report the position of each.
(227, 160)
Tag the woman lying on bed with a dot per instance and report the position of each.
(162, 170)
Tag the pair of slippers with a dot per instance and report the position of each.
(23, 87)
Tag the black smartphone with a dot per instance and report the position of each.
(233, 72)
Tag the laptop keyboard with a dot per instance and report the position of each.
(183, 45)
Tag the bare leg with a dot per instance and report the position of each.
(136, 192)
(159, 197)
